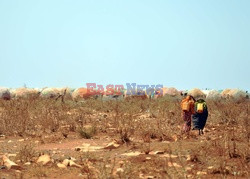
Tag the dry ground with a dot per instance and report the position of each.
(146, 133)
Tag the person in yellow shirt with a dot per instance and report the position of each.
(187, 105)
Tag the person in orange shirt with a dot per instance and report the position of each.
(187, 105)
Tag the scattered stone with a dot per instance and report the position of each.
(119, 170)
(11, 155)
(141, 175)
(166, 142)
(169, 156)
(201, 173)
(36, 142)
(27, 163)
(189, 158)
(73, 164)
(131, 154)
(148, 158)
(44, 159)
(21, 140)
(111, 145)
(65, 162)
(60, 165)
(88, 148)
(173, 165)
(72, 158)
(156, 152)
(108, 166)
(10, 164)
(210, 167)
(9, 141)
(188, 168)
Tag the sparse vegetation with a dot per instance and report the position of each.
(144, 125)
(26, 153)
(87, 132)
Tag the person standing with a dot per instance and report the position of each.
(187, 105)
(199, 118)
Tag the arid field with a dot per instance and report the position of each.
(131, 138)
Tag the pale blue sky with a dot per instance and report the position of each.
(177, 43)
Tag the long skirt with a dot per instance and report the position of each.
(199, 120)
(187, 117)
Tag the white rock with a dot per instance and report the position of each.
(65, 162)
(73, 159)
(169, 156)
(188, 157)
(173, 165)
(73, 164)
(210, 167)
(27, 163)
(11, 155)
(10, 164)
(201, 173)
(60, 165)
(131, 154)
(111, 145)
(156, 152)
(88, 148)
(44, 159)
(119, 170)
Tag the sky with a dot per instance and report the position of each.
(176, 43)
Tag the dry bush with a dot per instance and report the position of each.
(87, 132)
(26, 153)
(225, 145)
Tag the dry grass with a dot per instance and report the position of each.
(26, 153)
(141, 124)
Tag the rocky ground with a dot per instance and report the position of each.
(109, 152)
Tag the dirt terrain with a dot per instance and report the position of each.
(121, 139)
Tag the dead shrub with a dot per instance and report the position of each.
(26, 153)
(87, 132)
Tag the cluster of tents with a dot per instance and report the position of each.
(83, 93)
